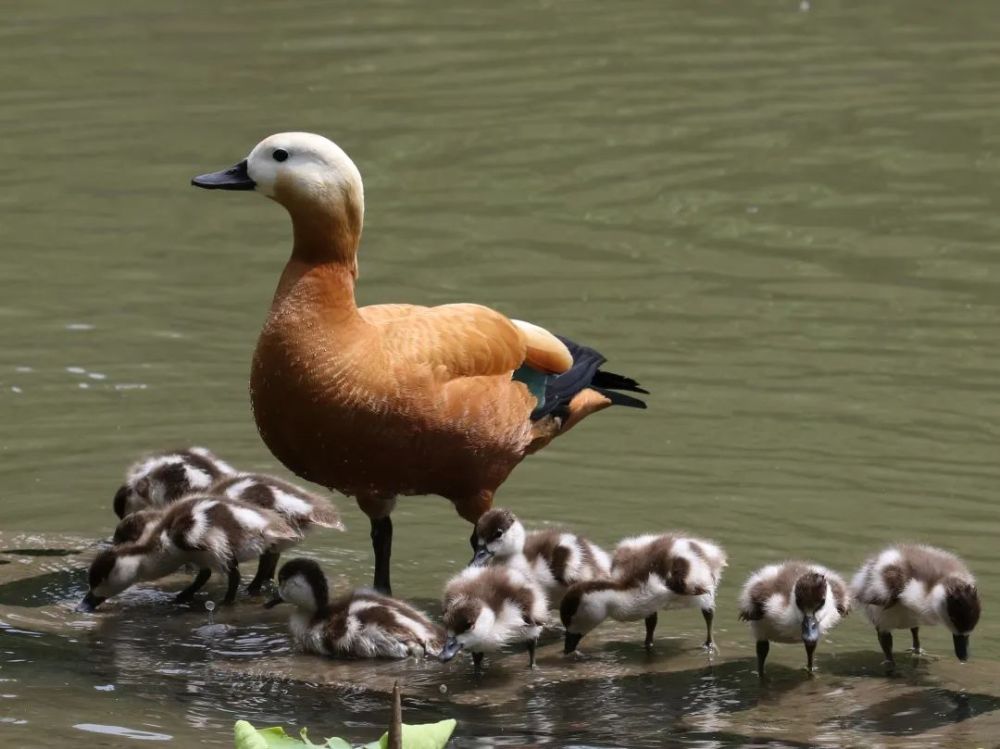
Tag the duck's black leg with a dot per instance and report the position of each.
(531, 653)
(763, 648)
(709, 615)
(234, 583)
(187, 595)
(885, 640)
(265, 571)
(915, 631)
(382, 546)
(650, 628)
(477, 663)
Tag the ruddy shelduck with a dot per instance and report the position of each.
(200, 530)
(648, 573)
(398, 399)
(792, 602)
(358, 624)
(554, 558)
(487, 608)
(907, 586)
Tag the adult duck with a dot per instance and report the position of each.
(397, 399)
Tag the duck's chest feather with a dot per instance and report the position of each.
(337, 405)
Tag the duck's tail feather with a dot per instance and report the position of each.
(584, 374)
(620, 399)
(613, 381)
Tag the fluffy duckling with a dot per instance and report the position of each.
(302, 509)
(648, 573)
(360, 624)
(792, 602)
(205, 531)
(485, 608)
(554, 559)
(160, 479)
(906, 586)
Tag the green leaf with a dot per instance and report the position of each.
(248, 737)
(422, 736)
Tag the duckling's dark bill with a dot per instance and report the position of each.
(450, 649)
(234, 178)
(482, 556)
(89, 603)
(961, 647)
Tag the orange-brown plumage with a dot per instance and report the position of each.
(396, 399)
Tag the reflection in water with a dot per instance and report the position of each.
(214, 667)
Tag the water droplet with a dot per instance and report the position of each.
(15, 389)
(97, 376)
(443, 689)
(209, 606)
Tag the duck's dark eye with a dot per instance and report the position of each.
(497, 536)
(280, 154)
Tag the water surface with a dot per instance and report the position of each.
(780, 217)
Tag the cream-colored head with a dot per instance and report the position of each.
(314, 179)
(304, 166)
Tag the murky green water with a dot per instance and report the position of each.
(782, 219)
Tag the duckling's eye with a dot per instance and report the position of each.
(280, 154)
(497, 536)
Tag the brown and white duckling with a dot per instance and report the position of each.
(360, 624)
(301, 508)
(648, 573)
(487, 608)
(792, 602)
(159, 479)
(208, 532)
(907, 586)
(555, 559)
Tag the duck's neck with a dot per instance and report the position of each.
(323, 268)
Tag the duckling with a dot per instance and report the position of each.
(360, 624)
(648, 573)
(205, 531)
(555, 559)
(162, 478)
(907, 586)
(792, 602)
(485, 608)
(302, 509)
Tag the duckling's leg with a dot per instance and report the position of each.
(650, 627)
(916, 649)
(265, 571)
(885, 640)
(234, 583)
(709, 615)
(763, 648)
(477, 663)
(531, 652)
(187, 595)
